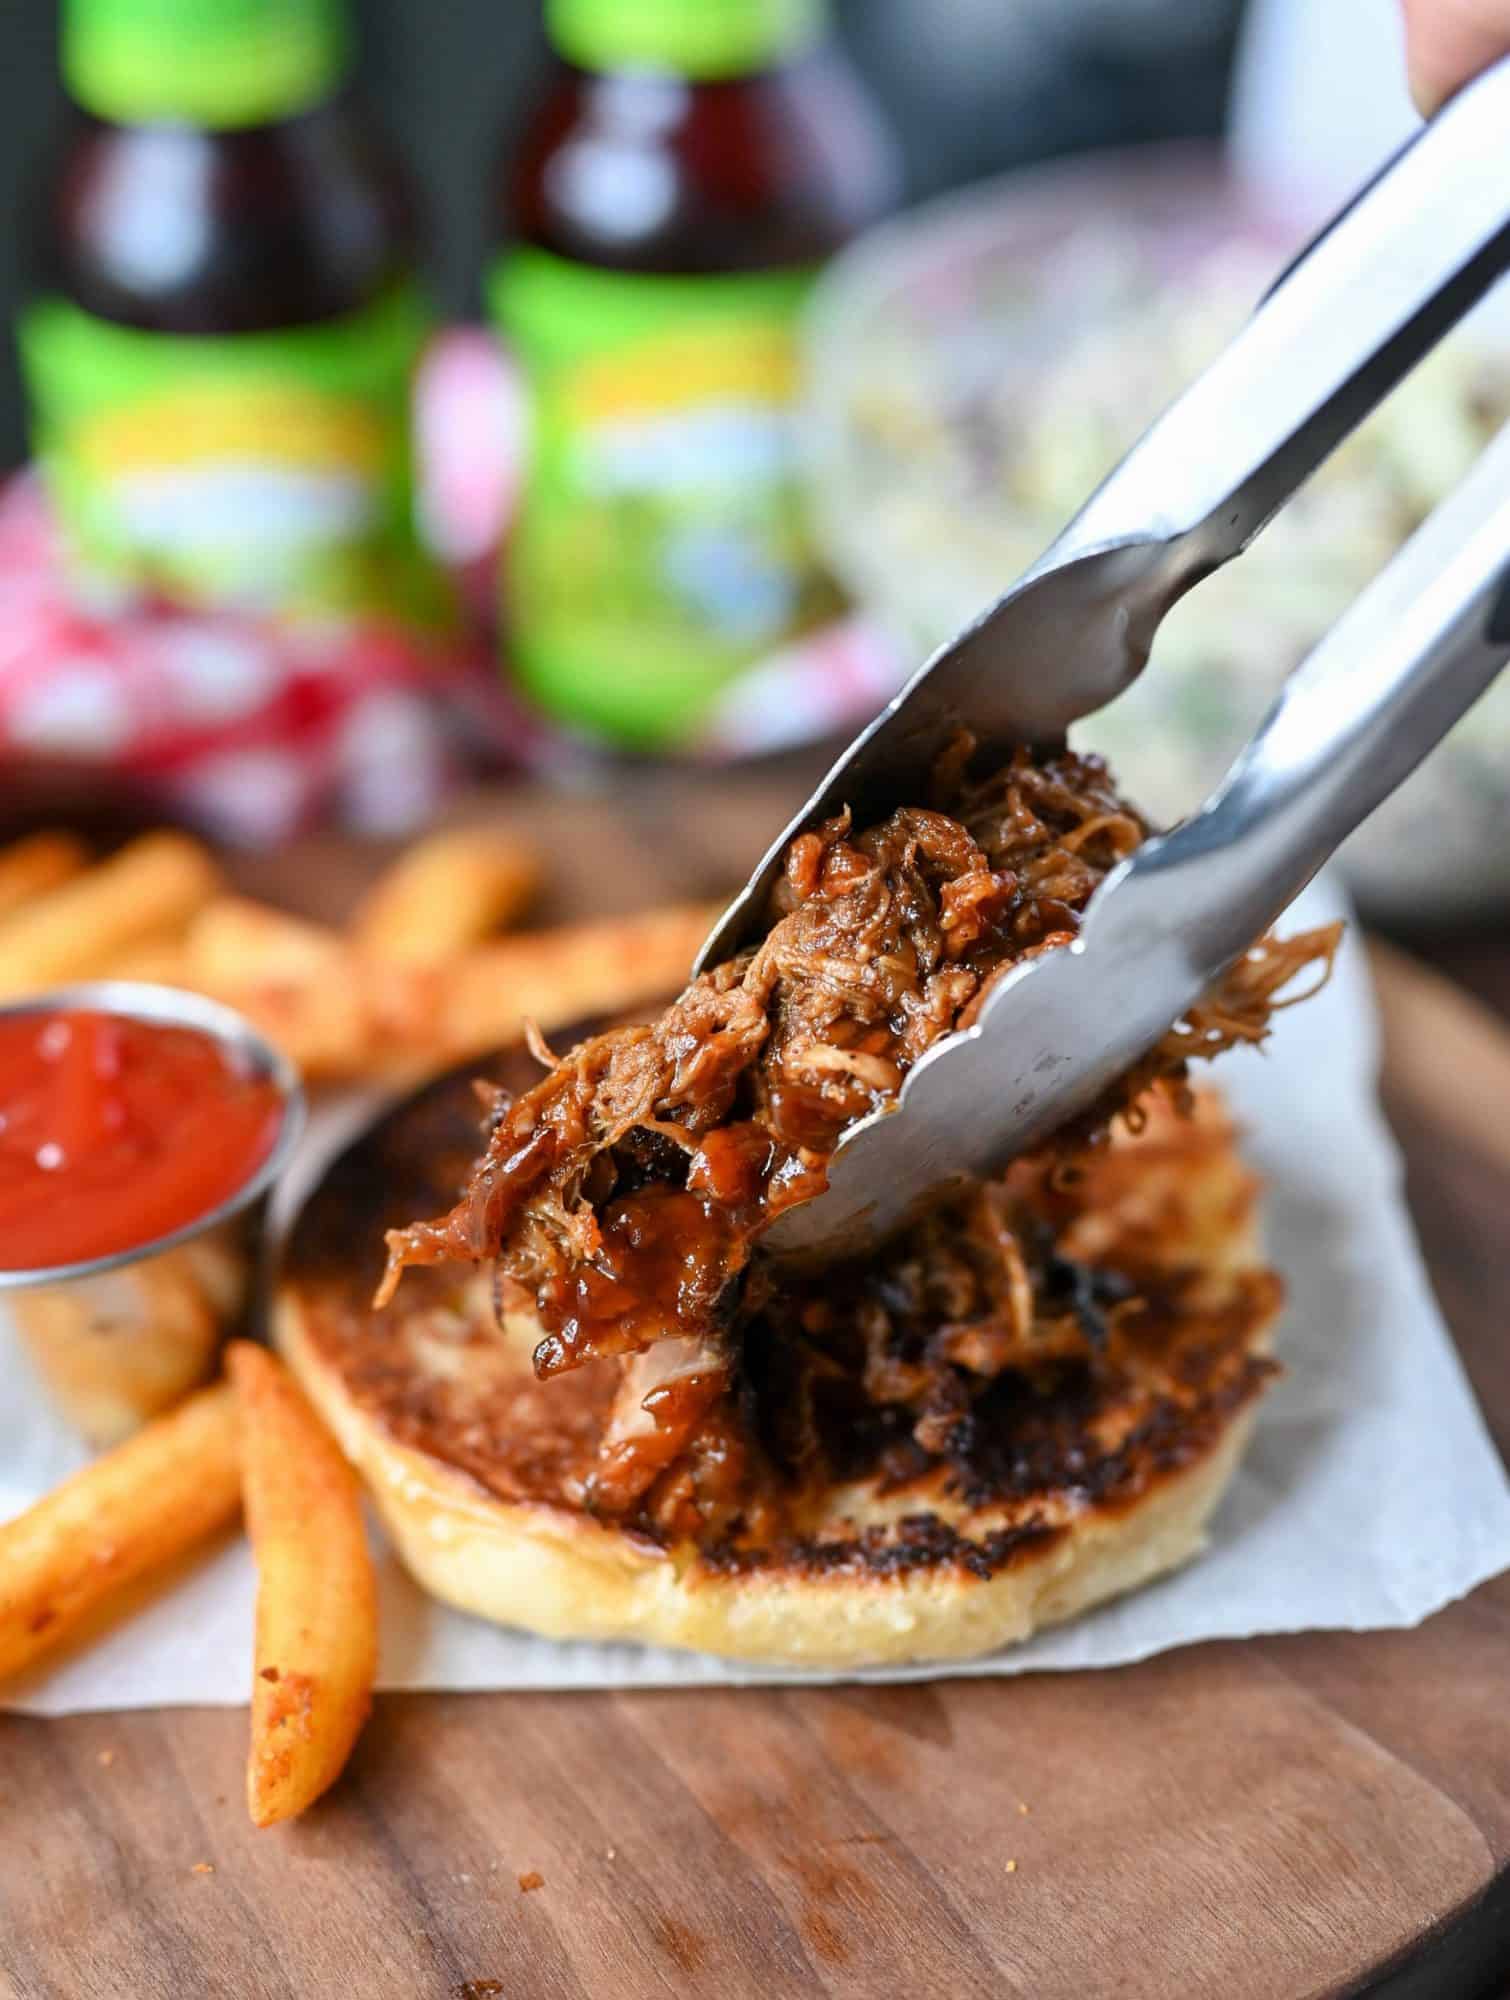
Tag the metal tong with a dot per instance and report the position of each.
(1351, 316)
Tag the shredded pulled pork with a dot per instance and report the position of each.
(625, 1194)
(882, 1362)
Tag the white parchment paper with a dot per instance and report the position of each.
(1371, 1495)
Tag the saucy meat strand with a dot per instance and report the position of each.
(660, 1150)
(623, 1197)
(884, 1361)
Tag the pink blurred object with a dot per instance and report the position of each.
(255, 728)
(469, 439)
(831, 681)
(246, 727)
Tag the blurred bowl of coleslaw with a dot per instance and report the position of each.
(979, 364)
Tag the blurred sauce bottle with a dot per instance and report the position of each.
(689, 167)
(220, 356)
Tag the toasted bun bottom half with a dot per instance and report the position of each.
(470, 1459)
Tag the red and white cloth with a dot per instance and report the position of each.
(255, 728)
(247, 728)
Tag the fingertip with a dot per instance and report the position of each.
(1448, 43)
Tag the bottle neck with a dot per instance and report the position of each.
(221, 65)
(703, 41)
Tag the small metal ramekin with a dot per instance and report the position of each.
(118, 1337)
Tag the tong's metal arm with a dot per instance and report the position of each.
(1353, 315)
(1403, 664)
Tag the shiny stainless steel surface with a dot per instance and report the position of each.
(168, 1005)
(1389, 680)
(1375, 292)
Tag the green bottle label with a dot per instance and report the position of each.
(213, 63)
(266, 471)
(662, 542)
(703, 40)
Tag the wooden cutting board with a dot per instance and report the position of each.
(1308, 1816)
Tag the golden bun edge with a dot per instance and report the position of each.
(552, 1570)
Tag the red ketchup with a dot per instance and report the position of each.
(115, 1132)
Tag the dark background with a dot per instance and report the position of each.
(973, 86)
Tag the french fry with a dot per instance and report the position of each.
(316, 1644)
(323, 1027)
(235, 941)
(123, 1346)
(293, 979)
(33, 866)
(444, 895)
(154, 883)
(342, 1016)
(554, 977)
(160, 961)
(127, 1514)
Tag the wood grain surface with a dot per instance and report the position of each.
(1310, 1816)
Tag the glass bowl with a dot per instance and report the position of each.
(979, 365)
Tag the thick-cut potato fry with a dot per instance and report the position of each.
(128, 1513)
(323, 1025)
(160, 961)
(156, 882)
(343, 1016)
(316, 1645)
(293, 979)
(33, 866)
(444, 895)
(236, 941)
(123, 1346)
(553, 977)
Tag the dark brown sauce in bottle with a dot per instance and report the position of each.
(640, 172)
(684, 191)
(226, 319)
(181, 230)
